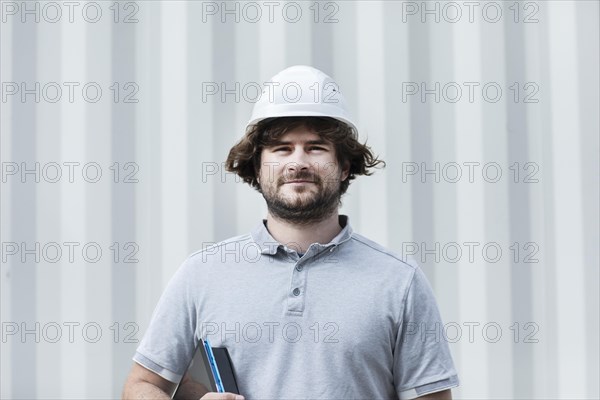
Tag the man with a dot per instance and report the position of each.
(306, 307)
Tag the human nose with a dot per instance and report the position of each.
(298, 161)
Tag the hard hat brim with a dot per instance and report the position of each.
(286, 112)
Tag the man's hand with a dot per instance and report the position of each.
(221, 396)
(191, 389)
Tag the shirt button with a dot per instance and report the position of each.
(299, 268)
(296, 292)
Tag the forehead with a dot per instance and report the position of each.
(300, 134)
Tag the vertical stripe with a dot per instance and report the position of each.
(549, 378)
(420, 141)
(73, 210)
(588, 83)
(149, 203)
(322, 36)
(174, 138)
(6, 211)
(471, 213)
(444, 272)
(520, 232)
(494, 138)
(251, 205)
(568, 189)
(48, 210)
(123, 221)
(272, 37)
(223, 111)
(544, 376)
(23, 213)
(397, 128)
(205, 169)
(98, 283)
(299, 34)
(372, 116)
(345, 37)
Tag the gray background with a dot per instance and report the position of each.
(69, 327)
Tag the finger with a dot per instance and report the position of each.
(222, 396)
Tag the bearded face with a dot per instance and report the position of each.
(300, 177)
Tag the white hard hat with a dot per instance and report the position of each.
(301, 91)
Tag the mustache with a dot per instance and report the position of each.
(299, 177)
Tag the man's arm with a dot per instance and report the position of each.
(443, 395)
(145, 384)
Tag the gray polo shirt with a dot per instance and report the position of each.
(347, 320)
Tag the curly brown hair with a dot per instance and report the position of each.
(244, 156)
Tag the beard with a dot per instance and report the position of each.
(304, 206)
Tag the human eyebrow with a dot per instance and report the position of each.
(277, 143)
(320, 142)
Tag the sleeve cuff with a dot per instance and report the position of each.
(154, 367)
(433, 387)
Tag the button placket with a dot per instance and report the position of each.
(297, 288)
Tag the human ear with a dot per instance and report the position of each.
(346, 170)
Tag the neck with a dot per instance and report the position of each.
(300, 237)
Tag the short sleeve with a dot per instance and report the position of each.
(422, 360)
(169, 342)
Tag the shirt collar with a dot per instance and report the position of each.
(268, 245)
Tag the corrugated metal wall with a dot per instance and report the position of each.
(117, 116)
